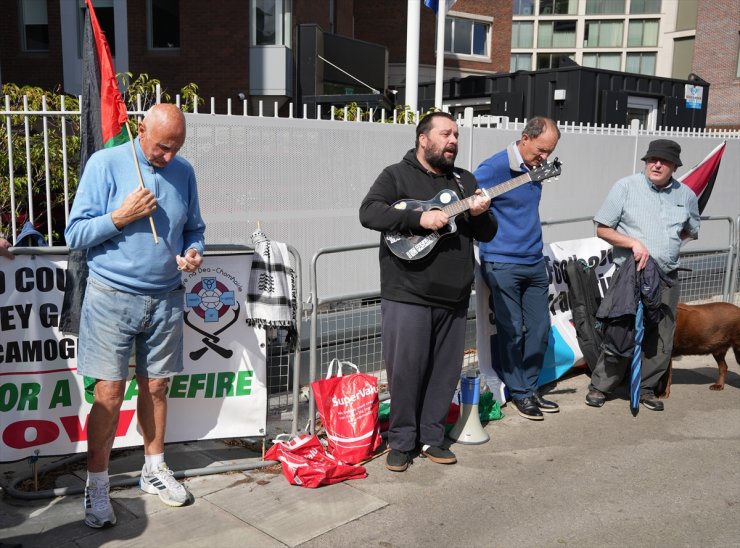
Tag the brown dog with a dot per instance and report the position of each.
(709, 328)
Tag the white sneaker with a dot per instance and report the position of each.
(98, 510)
(162, 482)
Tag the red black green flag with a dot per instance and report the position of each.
(103, 110)
(102, 118)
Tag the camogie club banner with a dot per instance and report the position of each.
(563, 351)
(220, 394)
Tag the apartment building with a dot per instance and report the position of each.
(252, 49)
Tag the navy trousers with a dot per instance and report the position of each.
(519, 301)
(423, 351)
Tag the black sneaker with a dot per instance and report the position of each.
(397, 461)
(652, 402)
(595, 398)
(546, 406)
(528, 409)
(440, 455)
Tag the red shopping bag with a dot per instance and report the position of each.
(348, 406)
(306, 463)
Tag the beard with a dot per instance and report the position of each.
(436, 158)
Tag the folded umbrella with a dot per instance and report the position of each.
(636, 366)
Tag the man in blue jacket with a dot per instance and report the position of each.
(513, 266)
(134, 296)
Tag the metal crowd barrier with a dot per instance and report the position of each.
(348, 327)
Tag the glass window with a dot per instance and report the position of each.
(608, 61)
(466, 37)
(603, 34)
(552, 60)
(35, 25)
(642, 32)
(558, 7)
(604, 7)
(645, 6)
(164, 21)
(270, 22)
(522, 34)
(556, 34)
(520, 61)
(523, 7)
(640, 63)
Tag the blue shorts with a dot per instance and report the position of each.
(114, 322)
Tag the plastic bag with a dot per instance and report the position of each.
(348, 406)
(306, 463)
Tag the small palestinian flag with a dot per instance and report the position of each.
(701, 177)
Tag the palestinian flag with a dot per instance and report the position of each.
(701, 177)
(103, 115)
(103, 110)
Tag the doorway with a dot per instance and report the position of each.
(644, 110)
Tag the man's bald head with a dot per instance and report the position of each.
(162, 133)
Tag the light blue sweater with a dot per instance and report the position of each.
(128, 259)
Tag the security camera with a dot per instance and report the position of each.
(241, 95)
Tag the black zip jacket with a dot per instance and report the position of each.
(444, 278)
(618, 308)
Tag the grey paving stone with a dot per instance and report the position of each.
(294, 514)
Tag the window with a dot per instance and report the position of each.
(737, 74)
(164, 24)
(604, 7)
(522, 34)
(466, 37)
(104, 13)
(552, 60)
(558, 7)
(608, 61)
(523, 7)
(520, 61)
(603, 34)
(640, 63)
(270, 22)
(556, 34)
(642, 33)
(35, 25)
(645, 6)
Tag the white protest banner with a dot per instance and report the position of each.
(221, 392)
(563, 351)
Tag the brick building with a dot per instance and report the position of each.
(717, 60)
(250, 48)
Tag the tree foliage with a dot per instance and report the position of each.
(139, 95)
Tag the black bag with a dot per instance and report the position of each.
(584, 301)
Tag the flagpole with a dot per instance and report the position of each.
(141, 181)
(412, 54)
(439, 74)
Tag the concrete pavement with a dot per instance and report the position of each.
(582, 477)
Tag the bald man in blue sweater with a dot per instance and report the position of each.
(134, 296)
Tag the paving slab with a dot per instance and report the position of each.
(293, 514)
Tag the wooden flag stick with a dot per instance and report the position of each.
(141, 181)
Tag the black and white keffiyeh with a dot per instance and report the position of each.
(271, 295)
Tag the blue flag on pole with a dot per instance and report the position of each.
(434, 4)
